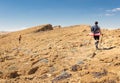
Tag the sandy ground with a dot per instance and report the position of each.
(61, 55)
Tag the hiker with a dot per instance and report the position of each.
(20, 38)
(96, 32)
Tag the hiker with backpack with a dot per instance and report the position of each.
(96, 32)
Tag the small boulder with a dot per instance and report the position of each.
(44, 28)
(33, 70)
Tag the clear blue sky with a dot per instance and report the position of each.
(19, 14)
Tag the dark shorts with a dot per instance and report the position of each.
(96, 37)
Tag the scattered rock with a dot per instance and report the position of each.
(40, 60)
(33, 70)
(100, 73)
(84, 72)
(81, 45)
(80, 62)
(52, 69)
(12, 68)
(44, 60)
(29, 78)
(76, 67)
(9, 58)
(2, 59)
(45, 28)
(44, 56)
(44, 76)
(50, 48)
(12, 74)
(117, 64)
(107, 60)
(56, 27)
(61, 77)
(93, 55)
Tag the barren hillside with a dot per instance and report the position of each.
(59, 55)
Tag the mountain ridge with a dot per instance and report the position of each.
(59, 55)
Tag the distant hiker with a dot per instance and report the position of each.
(96, 32)
(20, 37)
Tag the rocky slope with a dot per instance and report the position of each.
(59, 55)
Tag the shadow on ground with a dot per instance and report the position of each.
(109, 48)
